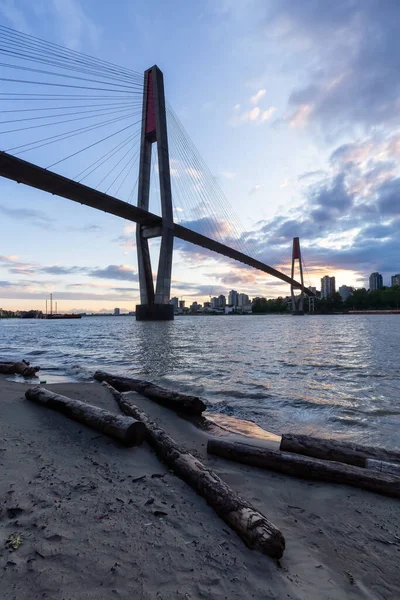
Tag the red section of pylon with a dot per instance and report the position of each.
(150, 109)
(296, 248)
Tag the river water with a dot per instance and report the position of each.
(323, 375)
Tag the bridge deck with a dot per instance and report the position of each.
(29, 174)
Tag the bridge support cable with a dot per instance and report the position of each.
(207, 209)
(68, 111)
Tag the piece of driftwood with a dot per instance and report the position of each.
(22, 367)
(382, 466)
(346, 452)
(306, 467)
(251, 525)
(125, 429)
(191, 405)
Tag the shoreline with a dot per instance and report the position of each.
(86, 509)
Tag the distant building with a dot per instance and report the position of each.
(221, 301)
(243, 300)
(117, 312)
(312, 289)
(375, 281)
(195, 307)
(181, 304)
(345, 292)
(328, 286)
(175, 303)
(396, 279)
(214, 302)
(233, 298)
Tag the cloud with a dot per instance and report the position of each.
(15, 15)
(14, 265)
(60, 270)
(346, 53)
(75, 25)
(120, 272)
(228, 174)
(257, 97)
(311, 174)
(256, 188)
(35, 217)
(253, 115)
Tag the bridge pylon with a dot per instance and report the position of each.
(154, 304)
(297, 302)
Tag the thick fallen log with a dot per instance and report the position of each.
(252, 526)
(191, 405)
(306, 468)
(345, 452)
(125, 429)
(22, 367)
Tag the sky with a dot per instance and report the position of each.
(293, 105)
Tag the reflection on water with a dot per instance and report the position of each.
(329, 375)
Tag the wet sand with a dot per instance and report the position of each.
(100, 521)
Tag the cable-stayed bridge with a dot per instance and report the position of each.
(103, 136)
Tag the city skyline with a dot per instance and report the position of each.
(292, 159)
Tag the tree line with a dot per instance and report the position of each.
(388, 298)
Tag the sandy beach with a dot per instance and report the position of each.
(101, 521)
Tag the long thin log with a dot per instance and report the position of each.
(305, 467)
(252, 526)
(382, 466)
(191, 405)
(125, 429)
(22, 367)
(346, 452)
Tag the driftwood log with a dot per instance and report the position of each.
(22, 367)
(191, 405)
(125, 429)
(252, 526)
(345, 452)
(306, 468)
(382, 466)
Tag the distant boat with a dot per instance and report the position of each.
(55, 315)
(66, 316)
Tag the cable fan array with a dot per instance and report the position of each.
(69, 112)
(201, 205)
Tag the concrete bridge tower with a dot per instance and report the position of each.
(154, 304)
(297, 303)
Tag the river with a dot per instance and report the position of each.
(322, 375)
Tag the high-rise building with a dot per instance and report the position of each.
(375, 281)
(175, 303)
(233, 298)
(221, 301)
(328, 286)
(312, 289)
(181, 304)
(214, 302)
(117, 312)
(345, 292)
(396, 279)
(243, 300)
